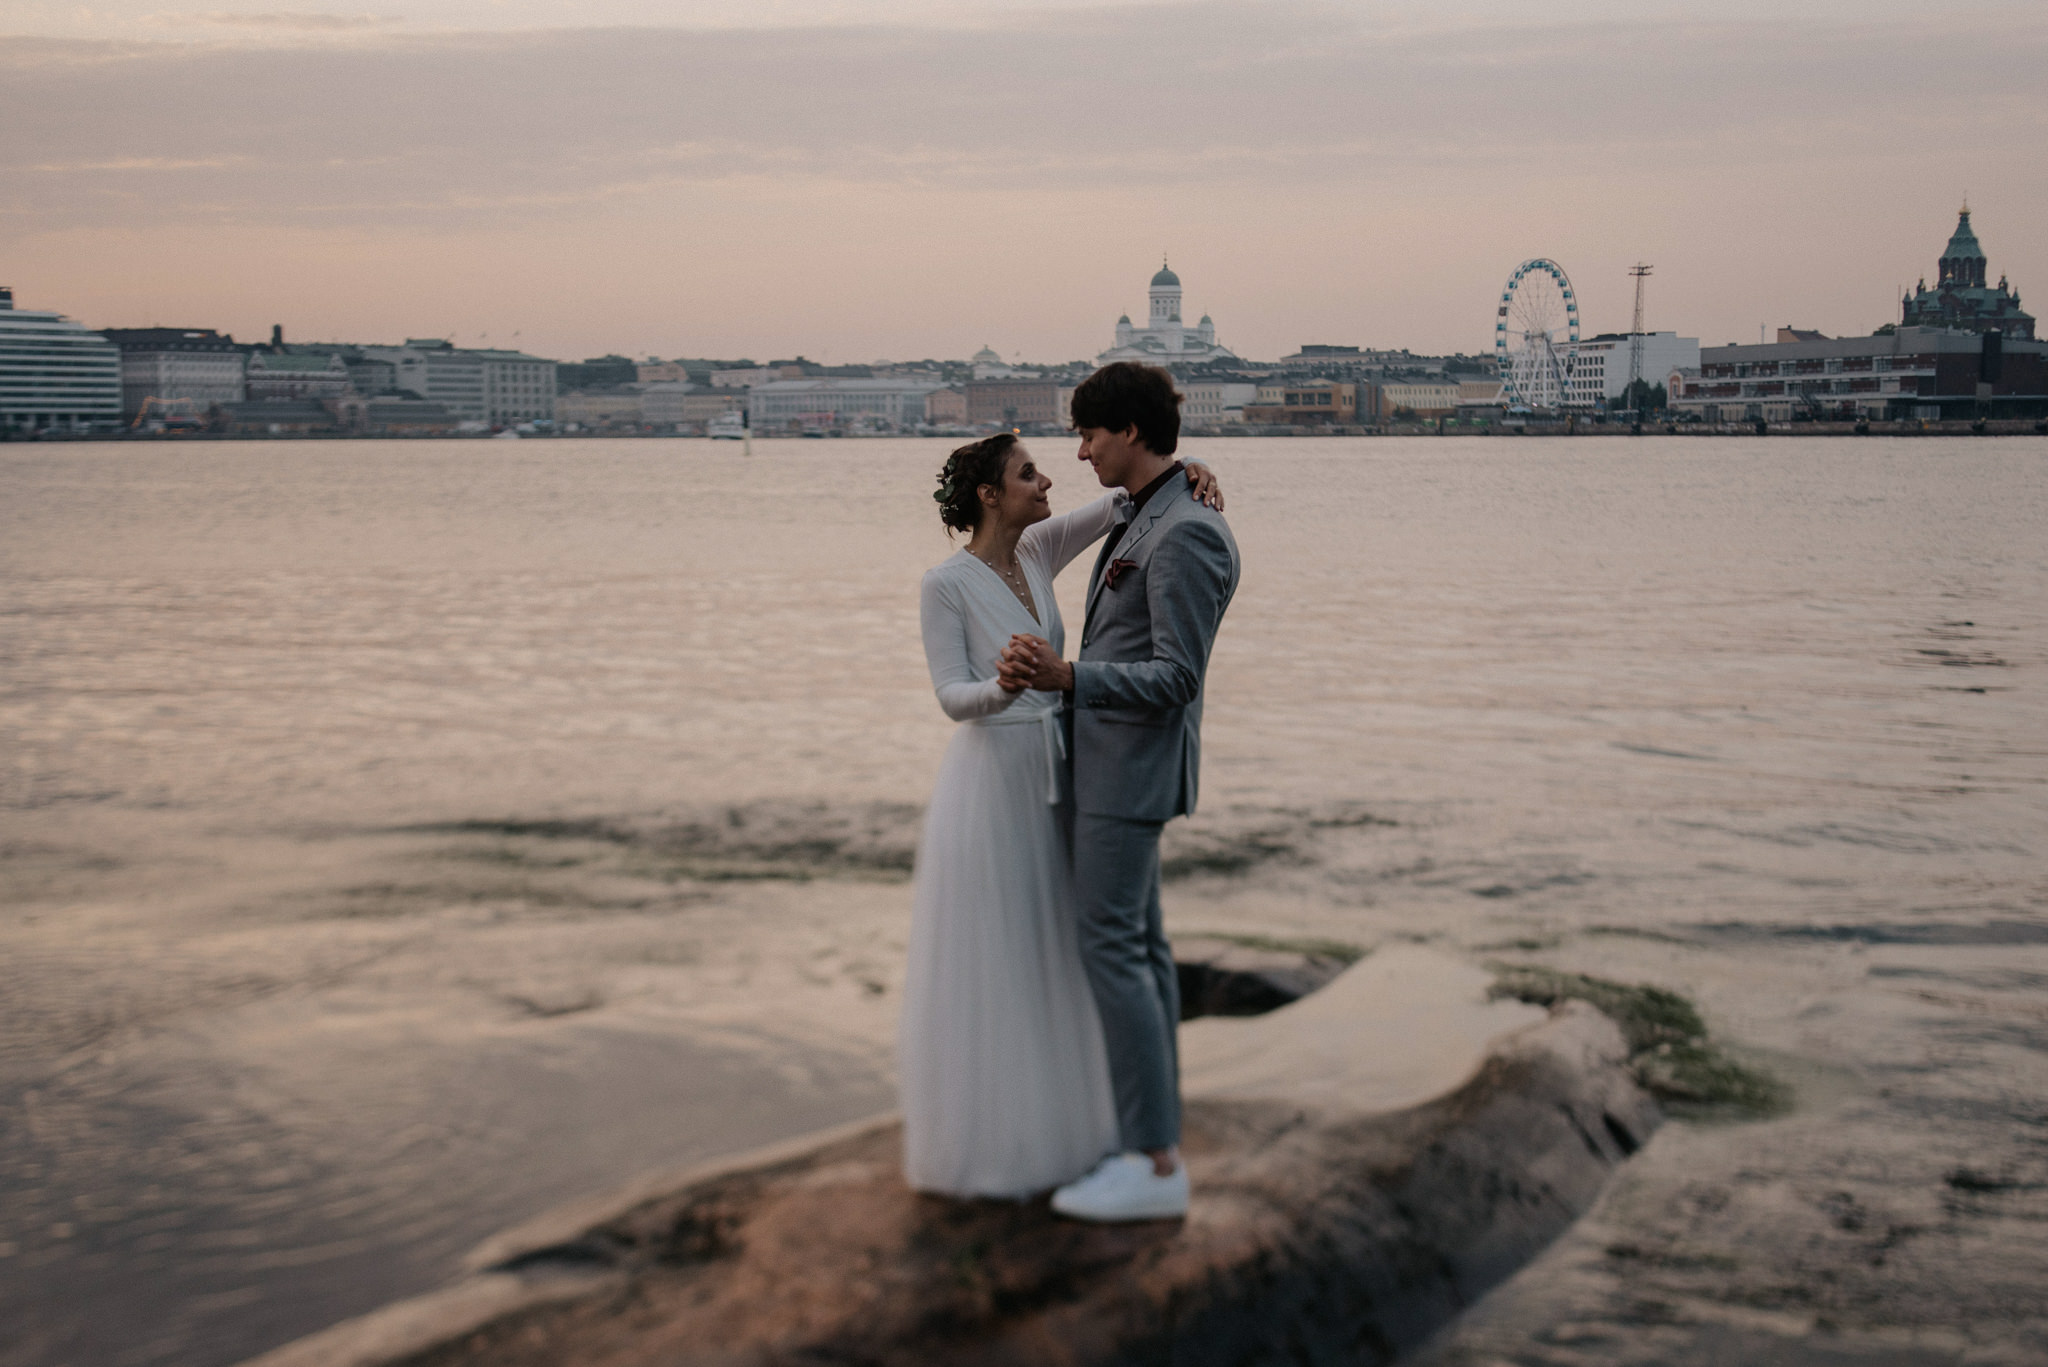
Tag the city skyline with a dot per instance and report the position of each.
(862, 190)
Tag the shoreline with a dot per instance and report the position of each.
(1989, 427)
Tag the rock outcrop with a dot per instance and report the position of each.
(1366, 1162)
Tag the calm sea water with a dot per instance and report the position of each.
(1762, 721)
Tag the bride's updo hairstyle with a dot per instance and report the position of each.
(967, 469)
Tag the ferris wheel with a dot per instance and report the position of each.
(1535, 336)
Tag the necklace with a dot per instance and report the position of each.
(1015, 581)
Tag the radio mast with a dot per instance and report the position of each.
(1641, 273)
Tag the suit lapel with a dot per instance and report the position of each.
(1152, 512)
(1154, 509)
(1095, 582)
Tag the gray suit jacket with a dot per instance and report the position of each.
(1144, 651)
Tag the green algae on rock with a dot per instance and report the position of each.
(1669, 1048)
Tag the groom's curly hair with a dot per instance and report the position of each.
(967, 469)
(1126, 394)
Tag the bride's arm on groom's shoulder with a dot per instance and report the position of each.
(962, 696)
(1055, 542)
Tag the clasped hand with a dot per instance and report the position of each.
(1030, 662)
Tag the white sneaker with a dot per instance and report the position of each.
(1124, 1187)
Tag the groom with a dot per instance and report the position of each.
(1161, 584)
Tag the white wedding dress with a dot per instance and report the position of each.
(1004, 1081)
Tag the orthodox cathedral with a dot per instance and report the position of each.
(1960, 299)
(1165, 340)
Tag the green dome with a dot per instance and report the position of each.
(1166, 277)
(1964, 242)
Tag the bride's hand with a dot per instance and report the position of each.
(1013, 671)
(1203, 480)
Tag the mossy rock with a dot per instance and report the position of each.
(1667, 1040)
(1698, 1074)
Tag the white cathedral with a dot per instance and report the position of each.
(1165, 339)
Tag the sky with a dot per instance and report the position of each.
(899, 179)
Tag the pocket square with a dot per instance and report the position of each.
(1116, 571)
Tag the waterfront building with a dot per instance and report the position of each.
(1206, 403)
(400, 417)
(54, 373)
(1596, 370)
(1960, 298)
(1323, 353)
(652, 371)
(686, 406)
(295, 374)
(1428, 399)
(825, 403)
(946, 407)
(191, 366)
(1165, 340)
(619, 405)
(280, 417)
(597, 372)
(480, 384)
(518, 388)
(1306, 403)
(1013, 403)
(1904, 373)
(746, 377)
(369, 376)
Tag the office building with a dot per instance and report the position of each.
(1306, 403)
(781, 406)
(1427, 399)
(1596, 370)
(618, 406)
(282, 375)
(1206, 403)
(194, 368)
(1906, 373)
(687, 407)
(478, 385)
(55, 375)
(1013, 403)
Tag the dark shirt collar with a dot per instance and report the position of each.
(1144, 495)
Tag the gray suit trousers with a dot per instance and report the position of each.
(1130, 968)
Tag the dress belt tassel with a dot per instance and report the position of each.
(1055, 744)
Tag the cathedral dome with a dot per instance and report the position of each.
(1964, 242)
(987, 356)
(1165, 278)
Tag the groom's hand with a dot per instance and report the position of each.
(1032, 658)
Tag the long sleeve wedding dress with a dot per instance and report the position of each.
(1004, 1081)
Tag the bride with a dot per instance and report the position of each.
(1004, 1081)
